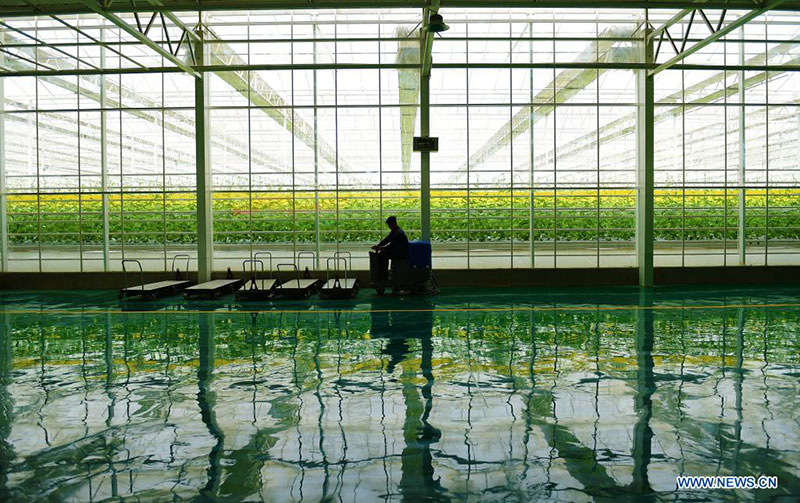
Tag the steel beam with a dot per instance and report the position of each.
(20, 8)
(742, 206)
(746, 18)
(130, 30)
(267, 67)
(317, 229)
(532, 159)
(645, 178)
(205, 249)
(426, 46)
(104, 158)
(425, 158)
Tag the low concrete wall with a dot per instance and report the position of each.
(749, 275)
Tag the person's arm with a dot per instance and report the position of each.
(384, 242)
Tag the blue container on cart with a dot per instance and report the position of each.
(419, 254)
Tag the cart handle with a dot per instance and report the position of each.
(178, 271)
(296, 272)
(255, 257)
(300, 255)
(349, 257)
(336, 261)
(125, 271)
(253, 270)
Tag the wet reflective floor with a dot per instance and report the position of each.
(473, 395)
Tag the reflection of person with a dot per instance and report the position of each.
(418, 481)
(392, 247)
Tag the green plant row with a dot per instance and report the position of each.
(491, 216)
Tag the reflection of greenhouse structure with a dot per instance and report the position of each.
(310, 143)
(253, 407)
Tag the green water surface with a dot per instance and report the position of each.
(473, 395)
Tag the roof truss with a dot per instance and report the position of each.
(717, 31)
(141, 31)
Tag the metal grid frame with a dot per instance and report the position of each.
(596, 66)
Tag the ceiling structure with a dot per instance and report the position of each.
(11, 8)
(165, 40)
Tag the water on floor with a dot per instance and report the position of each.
(490, 395)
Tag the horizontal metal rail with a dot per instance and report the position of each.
(77, 7)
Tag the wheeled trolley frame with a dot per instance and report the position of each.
(298, 288)
(338, 287)
(156, 289)
(257, 288)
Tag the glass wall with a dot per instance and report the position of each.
(529, 157)
(529, 172)
(312, 161)
(311, 140)
(727, 178)
(95, 165)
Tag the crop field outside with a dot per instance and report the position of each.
(356, 216)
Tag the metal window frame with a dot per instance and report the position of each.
(648, 67)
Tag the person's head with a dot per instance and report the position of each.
(392, 223)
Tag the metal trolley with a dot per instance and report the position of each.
(298, 288)
(257, 287)
(156, 289)
(338, 287)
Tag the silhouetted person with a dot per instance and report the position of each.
(392, 247)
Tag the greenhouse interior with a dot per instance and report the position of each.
(399, 250)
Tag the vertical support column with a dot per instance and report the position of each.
(425, 166)
(3, 200)
(316, 160)
(104, 154)
(426, 62)
(644, 167)
(741, 241)
(205, 248)
(532, 244)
